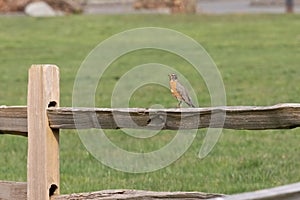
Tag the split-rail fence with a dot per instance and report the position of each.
(42, 119)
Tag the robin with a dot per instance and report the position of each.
(179, 92)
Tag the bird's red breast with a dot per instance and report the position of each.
(174, 90)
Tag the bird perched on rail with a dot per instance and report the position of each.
(179, 92)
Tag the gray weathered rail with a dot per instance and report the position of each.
(13, 120)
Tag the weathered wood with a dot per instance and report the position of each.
(13, 133)
(286, 192)
(136, 194)
(43, 147)
(13, 120)
(10, 190)
(17, 190)
(282, 116)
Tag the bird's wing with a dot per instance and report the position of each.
(184, 94)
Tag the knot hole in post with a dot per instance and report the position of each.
(52, 189)
(52, 104)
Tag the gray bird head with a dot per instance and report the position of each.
(173, 77)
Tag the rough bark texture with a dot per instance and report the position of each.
(13, 120)
(136, 195)
(282, 116)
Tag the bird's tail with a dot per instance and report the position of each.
(191, 104)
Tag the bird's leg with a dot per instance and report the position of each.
(179, 104)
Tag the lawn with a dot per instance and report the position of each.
(258, 57)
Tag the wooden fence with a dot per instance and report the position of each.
(42, 118)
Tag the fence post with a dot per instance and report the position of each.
(43, 142)
(289, 4)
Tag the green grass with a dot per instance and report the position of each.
(257, 55)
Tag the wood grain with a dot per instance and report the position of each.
(282, 116)
(17, 190)
(13, 120)
(136, 195)
(43, 142)
(286, 192)
(10, 190)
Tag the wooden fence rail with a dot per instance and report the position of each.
(42, 118)
(18, 190)
(13, 120)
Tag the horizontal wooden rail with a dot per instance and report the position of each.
(17, 190)
(282, 116)
(286, 192)
(13, 190)
(13, 120)
(10, 190)
(136, 195)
